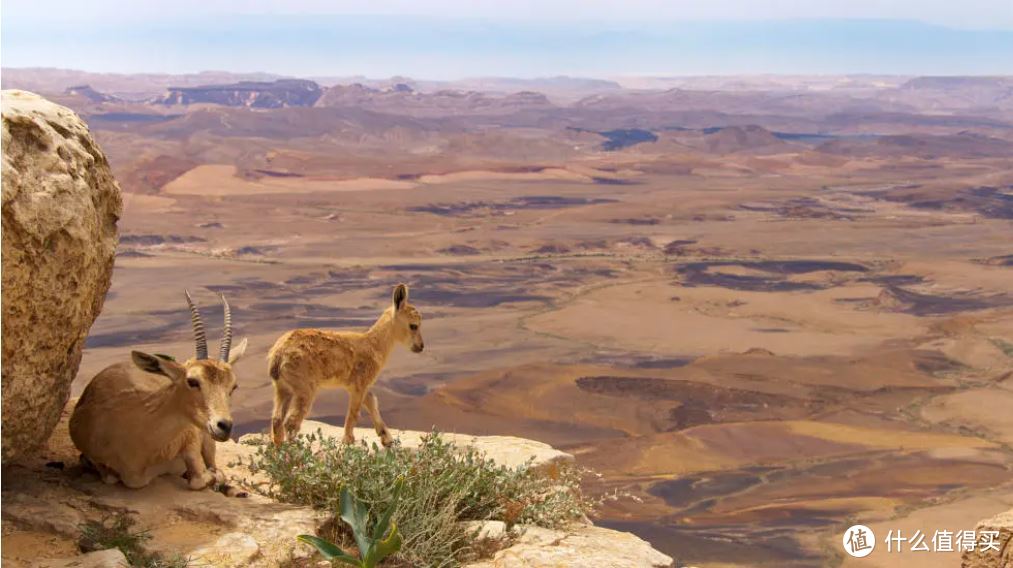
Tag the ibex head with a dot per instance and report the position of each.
(204, 386)
(407, 320)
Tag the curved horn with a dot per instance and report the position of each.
(198, 328)
(226, 343)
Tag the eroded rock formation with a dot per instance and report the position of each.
(60, 208)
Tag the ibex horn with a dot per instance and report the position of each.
(226, 343)
(198, 328)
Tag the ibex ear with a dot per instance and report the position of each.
(400, 296)
(237, 352)
(158, 365)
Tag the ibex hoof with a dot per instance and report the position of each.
(232, 491)
(201, 481)
(348, 439)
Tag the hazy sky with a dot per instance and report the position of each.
(523, 38)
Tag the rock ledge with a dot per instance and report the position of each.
(257, 532)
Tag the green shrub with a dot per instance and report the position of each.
(442, 486)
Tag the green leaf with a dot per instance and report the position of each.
(329, 550)
(383, 548)
(384, 521)
(355, 513)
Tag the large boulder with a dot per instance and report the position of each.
(999, 555)
(60, 207)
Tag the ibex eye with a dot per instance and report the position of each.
(193, 383)
(414, 326)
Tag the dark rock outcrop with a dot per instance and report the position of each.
(254, 94)
(91, 94)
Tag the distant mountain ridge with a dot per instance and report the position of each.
(280, 93)
(129, 86)
(924, 117)
(750, 94)
(401, 98)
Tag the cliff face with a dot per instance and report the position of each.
(60, 208)
(253, 94)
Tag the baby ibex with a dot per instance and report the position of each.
(305, 360)
(137, 421)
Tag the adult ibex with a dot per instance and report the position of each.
(136, 421)
(305, 360)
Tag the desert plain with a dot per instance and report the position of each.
(759, 310)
